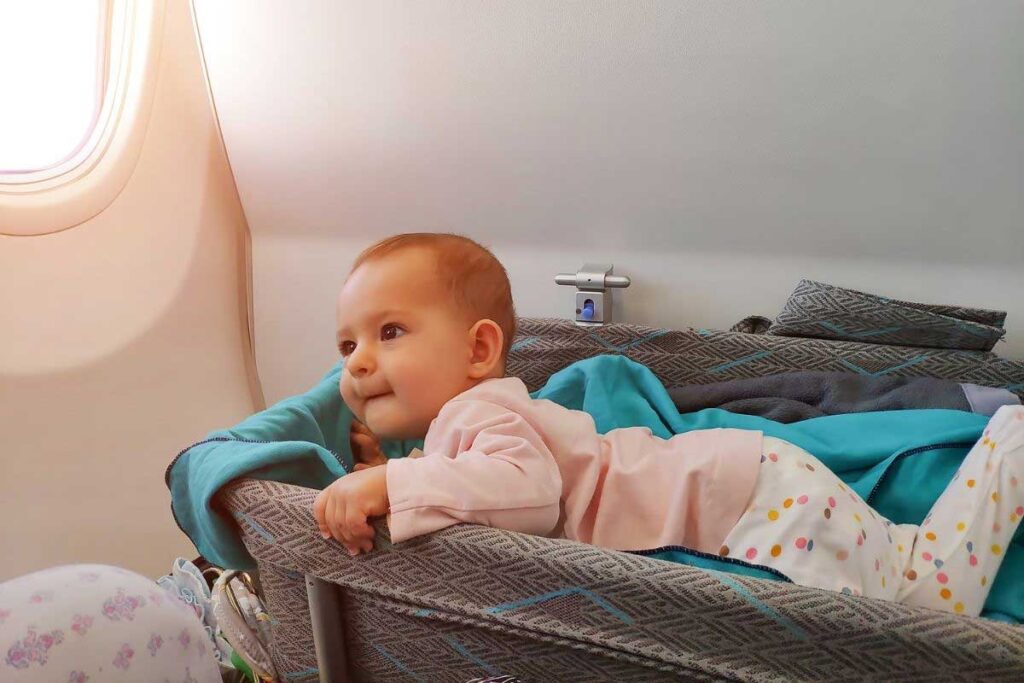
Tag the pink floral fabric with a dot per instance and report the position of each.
(94, 623)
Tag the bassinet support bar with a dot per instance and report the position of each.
(325, 609)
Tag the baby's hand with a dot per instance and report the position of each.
(365, 447)
(343, 508)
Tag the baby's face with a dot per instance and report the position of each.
(407, 351)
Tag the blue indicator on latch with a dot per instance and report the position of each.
(588, 310)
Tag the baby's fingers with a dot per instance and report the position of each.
(359, 531)
(366, 545)
(361, 544)
(319, 513)
(336, 519)
(361, 442)
(367, 449)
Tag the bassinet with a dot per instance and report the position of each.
(470, 601)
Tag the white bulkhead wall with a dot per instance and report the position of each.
(715, 152)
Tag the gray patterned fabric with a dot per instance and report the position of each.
(700, 356)
(471, 602)
(752, 324)
(816, 309)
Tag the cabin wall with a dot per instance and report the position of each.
(124, 340)
(715, 152)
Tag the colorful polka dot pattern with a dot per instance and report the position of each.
(799, 505)
(990, 486)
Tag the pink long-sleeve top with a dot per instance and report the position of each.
(497, 457)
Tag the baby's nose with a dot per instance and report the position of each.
(360, 363)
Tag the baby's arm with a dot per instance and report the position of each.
(493, 468)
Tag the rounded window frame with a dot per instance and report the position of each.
(70, 193)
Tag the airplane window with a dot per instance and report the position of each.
(54, 59)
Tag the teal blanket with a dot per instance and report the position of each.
(899, 461)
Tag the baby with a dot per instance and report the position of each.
(424, 325)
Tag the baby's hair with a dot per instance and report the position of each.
(468, 271)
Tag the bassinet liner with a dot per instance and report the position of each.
(701, 356)
(470, 601)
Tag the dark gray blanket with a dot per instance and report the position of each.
(795, 396)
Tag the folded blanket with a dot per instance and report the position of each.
(818, 309)
(794, 396)
(900, 461)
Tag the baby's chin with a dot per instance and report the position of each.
(398, 434)
(390, 418)
(388, 429)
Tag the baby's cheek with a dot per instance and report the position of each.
(410, 379)
(346, 392)
(417, 397)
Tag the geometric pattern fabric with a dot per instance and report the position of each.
(469, 602)
(472, 602)
(817, 309)
(701, 356)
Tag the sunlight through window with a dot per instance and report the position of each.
(53, 58)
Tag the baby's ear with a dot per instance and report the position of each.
(486, 340)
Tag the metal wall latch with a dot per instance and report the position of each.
(593, 300)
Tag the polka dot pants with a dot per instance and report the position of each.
(804, 522)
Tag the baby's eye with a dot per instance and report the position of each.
(346, 348)
(390, 331)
